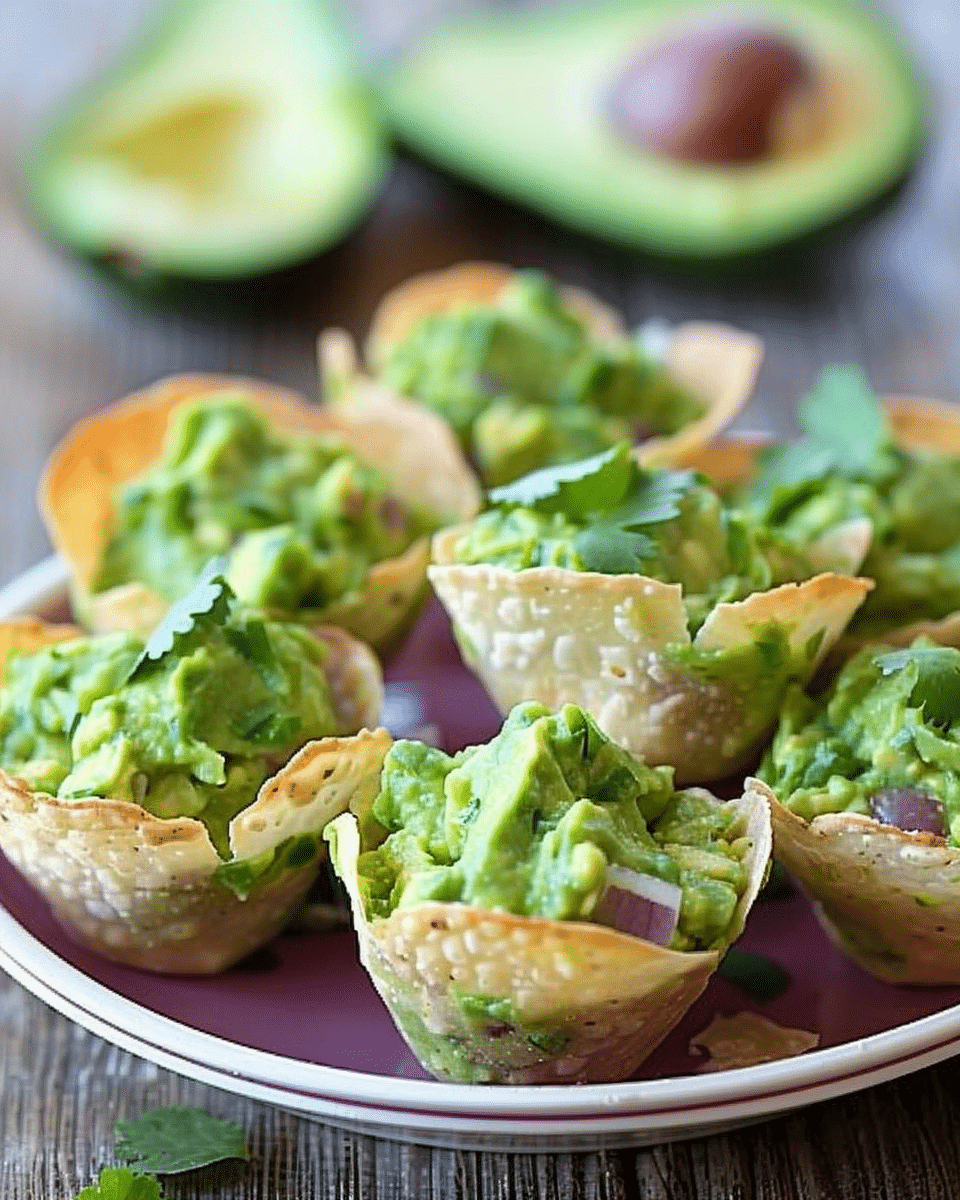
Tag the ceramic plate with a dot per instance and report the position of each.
(300, 1026)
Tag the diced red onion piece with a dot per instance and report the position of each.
(640, 905)
(908, 808)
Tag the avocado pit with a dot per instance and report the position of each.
(714, 91)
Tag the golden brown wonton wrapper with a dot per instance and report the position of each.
(140, 889)
(917, 425)
(714, 361)
(602, 642)
(587, 1003)
(412, 448)
(888, 897)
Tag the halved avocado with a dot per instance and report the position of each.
(522, 104)
(235, 138)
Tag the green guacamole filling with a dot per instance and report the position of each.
(607, 514)
(523, 383)
(530, 822)
(847, 465)
(887, 722)
(188, 725)
(300, 517)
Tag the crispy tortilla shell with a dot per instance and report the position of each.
(141, 889)
(79, 489)
(714, 361)
(888, 897)
(586, 1003)
(609, 643)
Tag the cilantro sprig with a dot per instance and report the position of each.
(610, 492)
(207, 602)
(845, 430)
(120, 1183)
(937, 688)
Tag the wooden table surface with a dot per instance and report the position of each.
(886, 296)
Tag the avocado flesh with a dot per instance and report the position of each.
(237, 137)
(518, 103)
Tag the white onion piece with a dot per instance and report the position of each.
(641, 905)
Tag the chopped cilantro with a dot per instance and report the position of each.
(760, 977)
(208, 601)
(264, 726)
(119, 1183)
(180, 1138)
(611, 492)
(844, 429)
(937, 690)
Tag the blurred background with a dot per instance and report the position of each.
(883, 291)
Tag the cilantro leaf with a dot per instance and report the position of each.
(208, 599)
(657, 499)
(937, 690)
(264, 726)
(842, 414)
(578, 489)
(612, 551)
(120, 1183)
(844, 429)
(181, 1138)
(760, 977)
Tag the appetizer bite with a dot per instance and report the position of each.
(893, 470)
(528, 373)
(542, 908)
(868, 819)
(640, 595)
(324, 518)
(165, 796)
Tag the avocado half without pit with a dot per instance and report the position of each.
(688, 128)
(235, 138)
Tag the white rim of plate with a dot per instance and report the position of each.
(680, 1105)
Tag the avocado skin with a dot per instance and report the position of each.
(214, 278)
(425, 117)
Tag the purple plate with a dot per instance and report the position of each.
(299, 1023)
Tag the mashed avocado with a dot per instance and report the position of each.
(301, 517)
(886, 725)
(530, 822)
(523, 384)
(847, 465)
(189, 725)
(607, 514)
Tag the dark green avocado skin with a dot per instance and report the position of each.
(220, 275)
(432, 95)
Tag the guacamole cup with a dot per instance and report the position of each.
(485, 993)
(864, 789)
(909, 553)
(667, 627)
(150, 886)
(102, 458)
(706, 370)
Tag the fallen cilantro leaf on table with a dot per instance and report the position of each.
(760, 977)
(208, 599)
(181, 1138)
(937, 690)
(120, 1183)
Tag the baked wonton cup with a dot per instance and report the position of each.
(144, 890)
(586, 1003)
(917, 425)
(619, 646)
(411, 447)
(890, 898)
(714, 361)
